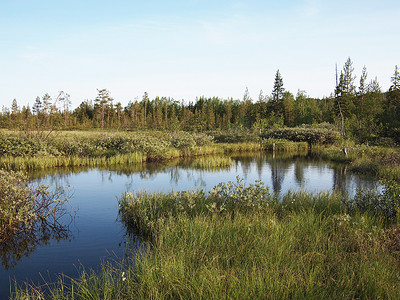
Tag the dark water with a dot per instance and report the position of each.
(96, 235)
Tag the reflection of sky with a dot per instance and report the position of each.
(97, 234)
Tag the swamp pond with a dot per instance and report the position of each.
(95, 233)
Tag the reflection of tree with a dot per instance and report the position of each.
(245, 164)
(299, 172)
(259, 164)
(18, 244)
(345, 181)
(175, 175)
(278, 171)
(339, 179)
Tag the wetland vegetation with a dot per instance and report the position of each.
(234, 241)
(240, 241)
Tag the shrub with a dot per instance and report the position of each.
(24, 207)
(234, 136)
(385, 204)
(303, 134)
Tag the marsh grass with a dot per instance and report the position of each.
(212, 163)
(95, 149)
(305, 246)
(383, 162)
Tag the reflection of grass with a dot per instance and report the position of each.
(240, 242)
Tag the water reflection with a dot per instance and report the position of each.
(282, 172)
(23, 243)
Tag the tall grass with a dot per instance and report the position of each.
(379, 161)
(212, 163)
(241, 242)
(94, 149)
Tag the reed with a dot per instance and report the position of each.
(212, 163)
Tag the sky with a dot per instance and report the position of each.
(186, 49)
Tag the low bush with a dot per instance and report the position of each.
(234, 136)
(312, 136)
(385, 204)
(24, 207)
(283, 145)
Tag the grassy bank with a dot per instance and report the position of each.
(383, 162)
(21, 151)
(241, 242)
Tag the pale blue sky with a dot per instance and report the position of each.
(184, 49)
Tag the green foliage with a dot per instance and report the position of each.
(385, 204)
(152, 145)
(304, 134)
(380, 161)
(17, 206)
(24, 207)
(234, 136)
(147, 212)
(369, 111)
(283, 145)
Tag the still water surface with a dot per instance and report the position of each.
(96, 235)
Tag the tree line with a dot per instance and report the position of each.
(364, 112)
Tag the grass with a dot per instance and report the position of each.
(212, 163)
(240, 242)
(383, 162)
(94, 149)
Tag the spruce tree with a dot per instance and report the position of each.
(37, 106)
(363, 87)
(395, 80)
(348, 79)
(277, 93)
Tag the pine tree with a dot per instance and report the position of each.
(118, 108)
(340, 103)
(145, 100)
(14, 108)
(64, 98)
(102, 100)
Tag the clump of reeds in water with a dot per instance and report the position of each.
(212, 163)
